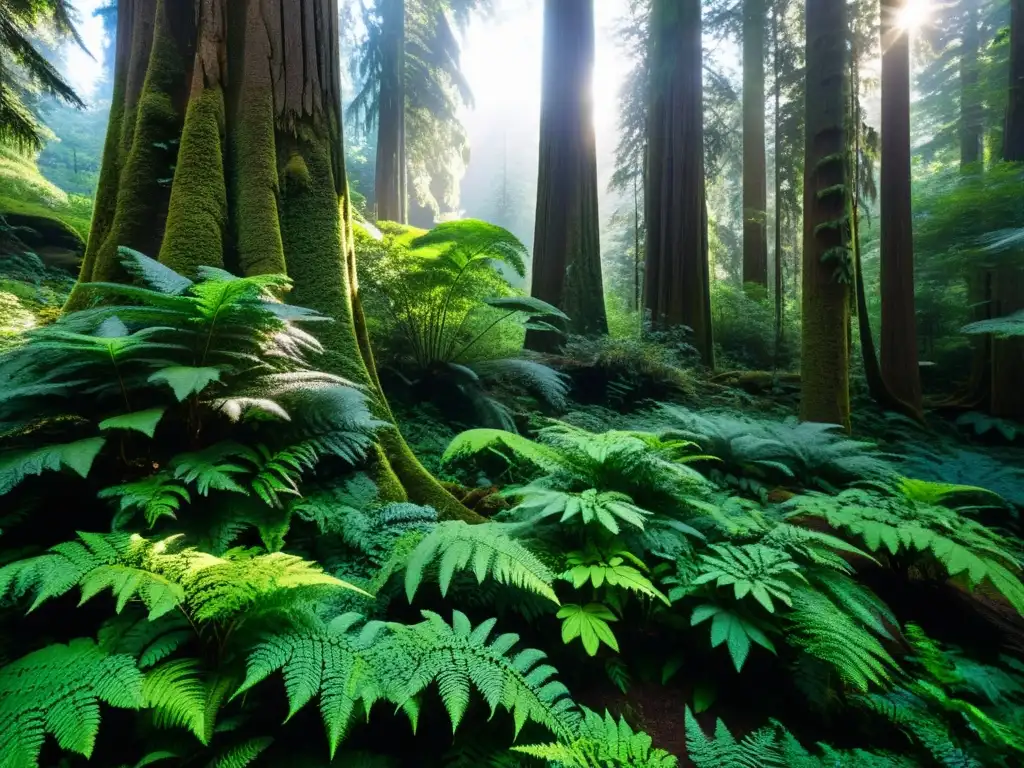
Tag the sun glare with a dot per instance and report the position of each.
(914, 14)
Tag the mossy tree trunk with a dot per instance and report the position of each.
(1008, 279)
(390, 183)
(827, 262)
(755, 187)
(566, 245)
(676, 284)
(899, 321)
(225, 148)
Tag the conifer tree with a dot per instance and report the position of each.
(755, 203)
(1008, 279)
(899, 322)
(566, 244)
(827, 263)
(677, 289)
(390, 183)
(225, 149)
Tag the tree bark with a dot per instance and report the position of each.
(677, 289)
(1008, 279)
(900, 368)
(566, 247)
(755, 193)
(777, 90)
(390, 183)
(827, 262)
(225, 149)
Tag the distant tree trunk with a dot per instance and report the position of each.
(900, 368)
(238, 102)
(566, 245)
(390, 187)
(971, 118)
(827, 263)
(755, 203)
(677, 290)
(777, 87)
(1008, 280)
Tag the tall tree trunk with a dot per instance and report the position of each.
(240, 102)
(777, 87)
(971, 118)
(566, 244)
(676, 285)
(390, 184)
(827, 262)
(899, 321)
(1008, 279)
(755, 203)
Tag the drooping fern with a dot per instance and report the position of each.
(58, 690)
(491, 550)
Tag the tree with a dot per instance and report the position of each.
(33, 72)
(225, 149)
(755, 193)
(566, 244)
(677, 288)
(390, 187)
(825, 360)
(1008, 279)
(899, 322)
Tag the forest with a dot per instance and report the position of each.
(497, 383)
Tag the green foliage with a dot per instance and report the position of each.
(490, 550)
(773, 746)
(894, 524)
(602, 742)
(446, 317)
(347, 664)
(58, 690)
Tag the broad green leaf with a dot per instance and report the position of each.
(138, 421)
(186, 380)
(590, 624)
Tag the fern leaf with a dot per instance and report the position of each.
(139, 421)
(241, 755)
(58, 690)
(186, 380)
(176, 694)
(77, 456)
(488, 549)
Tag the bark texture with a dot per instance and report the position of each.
(677, 287)
(225, 149)
(390, 183)
(827, 262)
(1008, 280)
(755, 193)
(900, 368)
(566, 246)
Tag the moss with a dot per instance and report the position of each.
(311, 231)
(197, 214)
(143, 183)
(254, 181)
(51, 227)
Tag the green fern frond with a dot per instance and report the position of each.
(756, 750)
(94, 563)
(491, 550)
(147, 641)
(58, 690)
(825, 631)
(606, 508)
(752, 569)
(78, 456)
(602, 742)
(242, 755)
(476, 441)
(156, 496)
(177, 695)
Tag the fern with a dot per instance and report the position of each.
(77, 456)
(348, 665)
(894, 523)
(606, 508)
(176, 694)
(732, 629)
(602, 742)
(825, 631)
(752, 569)
(490, 550)
(58, 690)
